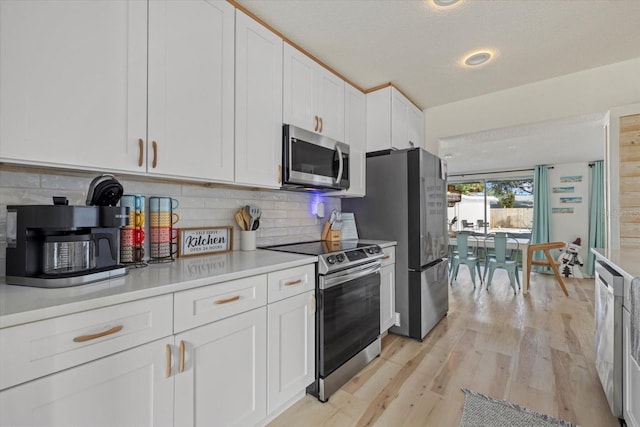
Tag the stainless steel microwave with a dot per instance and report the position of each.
(313, 161)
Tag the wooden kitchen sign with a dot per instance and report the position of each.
(205, 241)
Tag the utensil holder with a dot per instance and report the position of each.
(247, 240)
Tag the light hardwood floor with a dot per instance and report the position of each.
(534, 350)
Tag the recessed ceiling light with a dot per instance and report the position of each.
(445, 3)
(477, 58)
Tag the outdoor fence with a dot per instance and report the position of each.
(511, 217)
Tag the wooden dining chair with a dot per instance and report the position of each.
(465, 257)
(549, 262)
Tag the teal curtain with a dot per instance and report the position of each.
(541, 232)
(596, 214)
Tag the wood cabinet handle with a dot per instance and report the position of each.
(317, 121)
(181, 368)
(155, 154)
(140, 152)
(167, 372)
(228, 300)
(83, 338)
(313, 304)
(279, 174)
(386, 257)
(320, 125)
(295, 282)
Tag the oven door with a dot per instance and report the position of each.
(349, 314)
(314, 160)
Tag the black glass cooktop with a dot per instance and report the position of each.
(318, 247)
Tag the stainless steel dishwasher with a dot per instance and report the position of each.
(609, 294)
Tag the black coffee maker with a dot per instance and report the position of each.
(53, 246)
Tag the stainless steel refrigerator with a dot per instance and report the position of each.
(406, 201)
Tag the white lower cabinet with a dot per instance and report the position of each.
(387, 290)
(631, 381)
(129, 388)
(225, 372)
(291, 347)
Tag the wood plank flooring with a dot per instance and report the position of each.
(535, 350)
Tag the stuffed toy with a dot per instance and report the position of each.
(570, 259)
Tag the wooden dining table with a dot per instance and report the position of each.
(512, 243)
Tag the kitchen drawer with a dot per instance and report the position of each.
(389, 255)
(207, 304)
(36, 349)
(290, 282)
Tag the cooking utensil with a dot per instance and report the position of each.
(256, 224)
(247, 219)
(240, 220)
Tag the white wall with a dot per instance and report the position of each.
(585, 92)
(566, 227)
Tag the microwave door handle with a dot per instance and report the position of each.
(340, 167)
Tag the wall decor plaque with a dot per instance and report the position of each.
(205, 241)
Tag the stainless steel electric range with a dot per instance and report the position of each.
(348, 312)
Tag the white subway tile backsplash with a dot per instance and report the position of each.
(287, 217)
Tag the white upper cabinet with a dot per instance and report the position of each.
(393, 121)
(313, 96)
(73, 83)
(415, 131)
(73, 86)
(258, 109)
(191, 89)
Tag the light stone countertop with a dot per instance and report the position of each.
(21, 304)
(626, 261)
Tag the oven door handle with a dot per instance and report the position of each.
(336, 279)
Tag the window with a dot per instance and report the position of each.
(492, 205)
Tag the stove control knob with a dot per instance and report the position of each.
(331, 259)
(370, 251)
(377, 249)
(340, 257)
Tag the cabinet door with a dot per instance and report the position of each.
(258, 127)
(387, 297)
(73, 83)
(191, 90)
(291, 347)
(415, 126)
(631, 381)
(225, 372)
(355, 135)
(399, 120)
(330, 103)
(125, 389)
(298, 94)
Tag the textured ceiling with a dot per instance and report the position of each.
(418, 46)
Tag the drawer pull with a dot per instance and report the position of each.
(228, 300)
(83, 338)
(181, 369)
(316, 127)
(313, 304)
(295, 282)
(140, 151)
(386, 257)
(167, 373)
(320, 130)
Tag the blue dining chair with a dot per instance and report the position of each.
(499, 259)
(465, 257)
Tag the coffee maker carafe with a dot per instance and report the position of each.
(52, 246)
